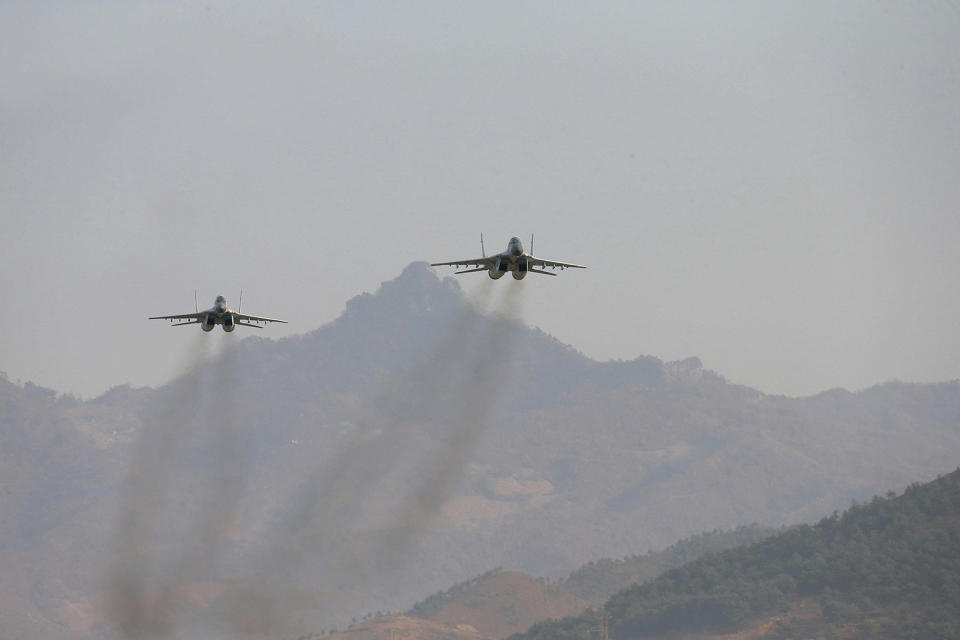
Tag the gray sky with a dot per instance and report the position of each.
(770, 186)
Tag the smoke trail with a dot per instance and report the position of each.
(325, 507)
(329, 518)
(447, 395)
(220, 439)
(467, 414)
(195, 419)
(401, 401)
(454, 386)
(132, 603)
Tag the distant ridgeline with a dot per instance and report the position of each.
(433, 604)
(889, 568)
(596, 581)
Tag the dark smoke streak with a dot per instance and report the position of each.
(156, 560)
(137, 607)
(345, 526)
(327, 499)
(468, 413)
(453, 387)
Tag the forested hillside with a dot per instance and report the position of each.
(597, 581)
(889, 568)
(498, 603)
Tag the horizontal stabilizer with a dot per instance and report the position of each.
(247, 324)
(183, 324)
(546, 273)
(456, 273)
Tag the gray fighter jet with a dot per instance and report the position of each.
(515, 260)
(220, 314)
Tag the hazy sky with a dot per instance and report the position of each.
(770, 186)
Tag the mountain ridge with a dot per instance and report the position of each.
(423, 439)
(887, 568)
(418, 292)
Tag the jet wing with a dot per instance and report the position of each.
(484, 263)
(242, 317)
(538, 262)
(182, 316)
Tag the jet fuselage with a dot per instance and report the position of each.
(218, 314)
(514, 260)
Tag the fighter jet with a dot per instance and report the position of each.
(514, 259)
(220, 314)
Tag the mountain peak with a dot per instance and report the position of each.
(416, 290)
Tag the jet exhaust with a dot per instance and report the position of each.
(347, 526)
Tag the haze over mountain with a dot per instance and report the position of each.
(412, 443)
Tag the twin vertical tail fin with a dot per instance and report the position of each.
(482, 250)
(196, 305)
(531, 245)
(240, 304)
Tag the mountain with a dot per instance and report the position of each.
(413, 442)
(500, 603)
(889, 568)
(391, 627)
(597, 581)
(54, 469)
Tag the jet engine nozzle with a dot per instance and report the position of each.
(208, 323)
